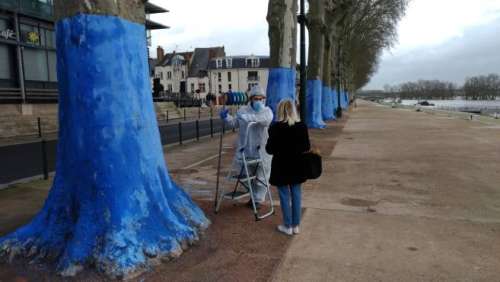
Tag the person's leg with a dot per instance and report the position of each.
(259, 189)
(284, 193)
(296, 204)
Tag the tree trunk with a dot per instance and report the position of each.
(112, 204)
(282, 19)
(316, 25)
(327, 104)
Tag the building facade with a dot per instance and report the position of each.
(28, 64)
(238, 73)
(172, 71)
(27, 48)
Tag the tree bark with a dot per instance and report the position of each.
(282, 19)
(112, 205)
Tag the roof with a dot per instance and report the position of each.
(167, 60)
(239, 62)
(154, 9)
(202, 58)
(151, 25)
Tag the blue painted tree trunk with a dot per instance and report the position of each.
(327, 104)
(280, 86)
(314, 109)
(112, 204)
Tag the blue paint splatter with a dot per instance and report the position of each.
(112, 203)
(280, 86)
(314, 110)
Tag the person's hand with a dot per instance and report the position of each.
(224, 113)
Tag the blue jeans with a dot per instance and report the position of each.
(291, 208)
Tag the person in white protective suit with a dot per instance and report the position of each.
(255, 111)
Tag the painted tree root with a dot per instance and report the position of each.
(112, 205)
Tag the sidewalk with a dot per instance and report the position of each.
(405, 196)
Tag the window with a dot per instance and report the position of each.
(201, 87)
(229, 63)
(192, 87)
(230, 87)
(50, 38)
(6, 30)
(170, 88)
(169, 75)
(255, 62)
(219, 76)
(253, 76)
(52, 66)
(7, 55)
(218, 63)
(220, 88)
(229, 76)
(161, 75)
(182, 74)
(30, 34)
(35, 64)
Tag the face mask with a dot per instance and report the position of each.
(257, 106)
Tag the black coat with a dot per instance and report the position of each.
(287, 144)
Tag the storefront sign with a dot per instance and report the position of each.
(33, 37)
(8, 34)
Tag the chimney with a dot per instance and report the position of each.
(160, 53)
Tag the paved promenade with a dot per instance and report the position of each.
(406, 196)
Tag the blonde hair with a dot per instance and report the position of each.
(287, 112)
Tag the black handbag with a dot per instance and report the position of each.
(312, 166)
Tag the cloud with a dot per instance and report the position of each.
(240, 26)
(474, 52)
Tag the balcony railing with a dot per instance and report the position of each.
(35, 8)
(253, 78)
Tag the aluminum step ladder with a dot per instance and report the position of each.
(245, 177)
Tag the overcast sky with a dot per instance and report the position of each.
(438, 39)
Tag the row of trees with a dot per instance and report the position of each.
(346, 39)
(483, 87)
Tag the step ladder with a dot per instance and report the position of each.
(244, 173)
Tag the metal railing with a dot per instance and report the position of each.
(37, 158)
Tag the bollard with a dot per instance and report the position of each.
(197, 130)
(211, 127)
(180, 133)
(45, 166)
(39, 120)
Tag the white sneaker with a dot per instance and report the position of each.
(287, 230)
(296, 230)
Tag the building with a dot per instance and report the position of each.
(28, 49)
(198, 82)
(238, 73)
(172, 70)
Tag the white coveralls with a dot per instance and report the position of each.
(257, 137)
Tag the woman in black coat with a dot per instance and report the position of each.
(288, 140)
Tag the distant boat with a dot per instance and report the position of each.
(425, 103)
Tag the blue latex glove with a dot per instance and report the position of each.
(223, 113)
